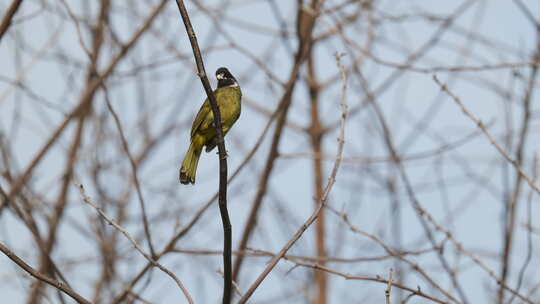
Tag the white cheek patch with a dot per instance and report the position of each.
(220, 77)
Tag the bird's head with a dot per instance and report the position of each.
(225, 78)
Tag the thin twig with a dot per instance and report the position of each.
(528, 227)
(492, 140)
(251, 252)
(418, 291)
(135, 174)
(88, 201)
(392, 252)
(36, 274)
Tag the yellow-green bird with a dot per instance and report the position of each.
(203, 133)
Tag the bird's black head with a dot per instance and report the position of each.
(225, 78)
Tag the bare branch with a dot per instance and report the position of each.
(6, 21)
(87, 200)
(36, 274)
(492, 140)
(222, 152)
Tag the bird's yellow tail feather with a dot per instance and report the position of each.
(189, 165)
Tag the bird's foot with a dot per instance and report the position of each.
(226, 153)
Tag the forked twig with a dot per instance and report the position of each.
(492, 140)
(88, 201)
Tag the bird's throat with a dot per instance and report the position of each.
(222, 83)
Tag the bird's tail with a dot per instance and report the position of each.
(189, 165)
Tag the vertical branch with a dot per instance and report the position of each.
(511, 206)
(227, 229)
(305, 23)
(59, 208)
(324, 198)
(529, 232)
(396, 227)
(316, 134)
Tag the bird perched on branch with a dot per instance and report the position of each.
(203, 132)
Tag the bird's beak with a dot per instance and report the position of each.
(220, 76)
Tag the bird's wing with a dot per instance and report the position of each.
(201, 117)
(205, 118)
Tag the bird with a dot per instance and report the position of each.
(203, 132)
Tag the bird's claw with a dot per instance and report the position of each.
(226, 153)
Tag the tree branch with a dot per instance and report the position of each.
(6, 21)
(150, 259)
(227, 229)
(36, 274)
